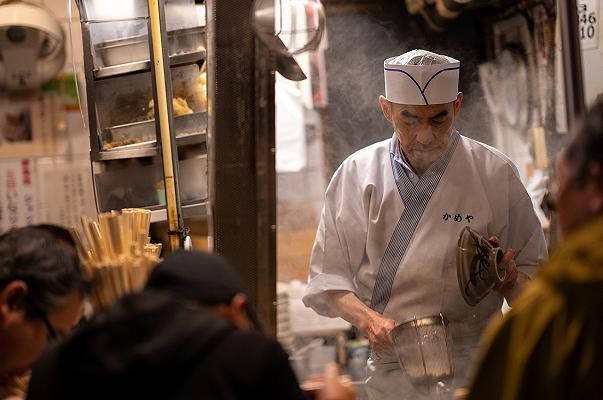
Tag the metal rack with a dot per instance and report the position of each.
(145, 65)
(121, 93)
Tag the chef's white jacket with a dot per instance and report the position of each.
(377, 222)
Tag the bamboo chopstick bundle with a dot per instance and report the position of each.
(117, 254)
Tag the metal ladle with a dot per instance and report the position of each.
(286, 65)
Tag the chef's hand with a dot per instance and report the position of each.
(508, 263)
(377, 330)
(372, 324)
(336, 387)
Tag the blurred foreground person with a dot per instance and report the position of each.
(41, 289)
(189, 335)
(549, 345)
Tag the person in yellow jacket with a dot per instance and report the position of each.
(550, 346)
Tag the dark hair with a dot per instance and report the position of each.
(48, 267)
(586, 146)
(58, 232)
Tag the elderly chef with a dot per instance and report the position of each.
(385, 250)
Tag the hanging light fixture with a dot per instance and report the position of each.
(289, 27)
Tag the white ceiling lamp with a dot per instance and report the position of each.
(32, 46)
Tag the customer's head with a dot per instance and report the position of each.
(61, 234)
(580, 168)
(206, 280)
(41, 288)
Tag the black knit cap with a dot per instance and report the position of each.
(201, 277)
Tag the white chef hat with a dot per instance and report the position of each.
(420, 77)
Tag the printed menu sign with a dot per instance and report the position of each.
(65, 190)
(44, 190)
(17, 193)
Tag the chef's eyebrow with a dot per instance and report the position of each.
(408, 114)
(441, 114)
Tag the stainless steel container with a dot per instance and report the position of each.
(142, 133)
(123, 106)
(424, 350)
(136, 48)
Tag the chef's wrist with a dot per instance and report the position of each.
(365, 324)
(372, 318)
(512, 293)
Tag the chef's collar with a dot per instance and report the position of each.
(400, 158)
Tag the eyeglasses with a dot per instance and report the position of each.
(52, 333)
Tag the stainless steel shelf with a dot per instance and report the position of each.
(145, 66)
(188, 211)
(149, 150)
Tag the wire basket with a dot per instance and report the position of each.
(424, 350)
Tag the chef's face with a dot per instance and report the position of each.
(577, 203)
(423, 131)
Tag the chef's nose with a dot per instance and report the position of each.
(424, 134)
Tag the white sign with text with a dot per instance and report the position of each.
(588, 23)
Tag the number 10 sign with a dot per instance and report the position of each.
(588, 23)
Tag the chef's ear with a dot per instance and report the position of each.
(457, 103)
(386, 108)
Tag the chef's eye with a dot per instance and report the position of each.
(437, 122)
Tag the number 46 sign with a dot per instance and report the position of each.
(588, 23)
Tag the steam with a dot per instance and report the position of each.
(358, 44)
